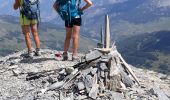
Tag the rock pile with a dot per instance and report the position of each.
(98, 76)
(104, 78)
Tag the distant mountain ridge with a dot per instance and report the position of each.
(151, 51)
(128, 17)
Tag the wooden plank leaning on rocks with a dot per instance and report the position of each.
(128, 68)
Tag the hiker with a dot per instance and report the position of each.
(29, 19)
(70, 11)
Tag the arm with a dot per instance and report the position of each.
(88, 4)
(16, 4)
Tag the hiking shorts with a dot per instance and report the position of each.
(75, 21)
(25, 21)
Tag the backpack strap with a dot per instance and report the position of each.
(79, 2)
(69, 10)
(22, 3)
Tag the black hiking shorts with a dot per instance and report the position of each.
(75, 21)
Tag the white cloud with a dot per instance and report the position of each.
(162, 3)
(116, 1)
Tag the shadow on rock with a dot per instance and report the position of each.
(39, 60)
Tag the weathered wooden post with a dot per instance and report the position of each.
(104, 46)
(101, 43)
(102, 40)
(107, 33)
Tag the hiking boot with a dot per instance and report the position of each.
(37, 52)
(28, 55)
(75, 59)
(65, 56)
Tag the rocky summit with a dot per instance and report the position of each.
(95, 76)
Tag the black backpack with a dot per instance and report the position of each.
(30, 9)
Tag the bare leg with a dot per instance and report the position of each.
(35, 35)
(26, 31)
(76, 30)
(67, 39)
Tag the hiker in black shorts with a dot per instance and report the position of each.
(72, 30)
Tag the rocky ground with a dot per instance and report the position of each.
(14, 84)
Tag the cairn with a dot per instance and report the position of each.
(101, 74)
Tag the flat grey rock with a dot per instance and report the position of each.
(103, 66)
(126, 80)
(80, 85)
(94, 91)
(93, 55)
(156, 91)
